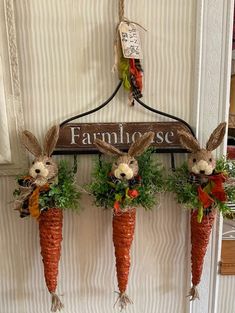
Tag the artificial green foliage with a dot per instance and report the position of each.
(106, 192)
(228, 167)
(224, 165)
(62, 194)
(187, 192)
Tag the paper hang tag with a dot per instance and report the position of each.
(130, 39)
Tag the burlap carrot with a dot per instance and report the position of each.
(123, 234)
(50, 231)
(200, 236)
(125, 184)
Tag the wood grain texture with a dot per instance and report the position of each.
(80, 137)
(65, 57)
(227, 266)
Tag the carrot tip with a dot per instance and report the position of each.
(123, 300)
(193, 293)
(56, 304)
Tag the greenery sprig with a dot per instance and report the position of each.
(187, 192)
(141, 193)
(63, 194)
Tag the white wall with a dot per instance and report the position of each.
(65, 54)
(226, 300)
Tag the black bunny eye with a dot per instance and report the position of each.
(48, 163)
(210, 159)
(115, 163)
(132, 162)
(194, 160)
(33, 162)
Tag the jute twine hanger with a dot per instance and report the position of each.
(122, 18)
(129, 69)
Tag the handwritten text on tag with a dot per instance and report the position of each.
(130, 39)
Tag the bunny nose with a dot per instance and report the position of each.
(37, 171)
(202, 172)
(123, 174)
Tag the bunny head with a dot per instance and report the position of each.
(43, 168)
(201, 161)
(126, 166)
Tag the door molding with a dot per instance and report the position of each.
(12, 156)
(213, 52)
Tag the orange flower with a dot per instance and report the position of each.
(116, 207)
(133, 193)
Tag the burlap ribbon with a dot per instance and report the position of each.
(30, 192)
(34, 200)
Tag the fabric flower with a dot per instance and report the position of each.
(133, 193)
(116, 207)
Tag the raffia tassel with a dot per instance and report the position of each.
(56, 304)
(193, 293)
(123, 300)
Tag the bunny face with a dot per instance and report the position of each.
(125, 167)
(43, 169)
(201, 161)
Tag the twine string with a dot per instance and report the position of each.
(122, 18)
(117, 44)
(121, 10)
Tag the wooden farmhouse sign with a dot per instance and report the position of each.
(79, 138)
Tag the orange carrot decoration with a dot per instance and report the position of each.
(123, 234)
(207, 186)
(204, 195)
(121, 188)
(50, 231)
(200, 235)
(43, 194)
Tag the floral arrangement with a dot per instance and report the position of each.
(183, 184)
(113, 193)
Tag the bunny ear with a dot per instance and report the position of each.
(106, 148)
(31, 143)
(138, 147)
(51, 139)
(216, 137)
(188, 141)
